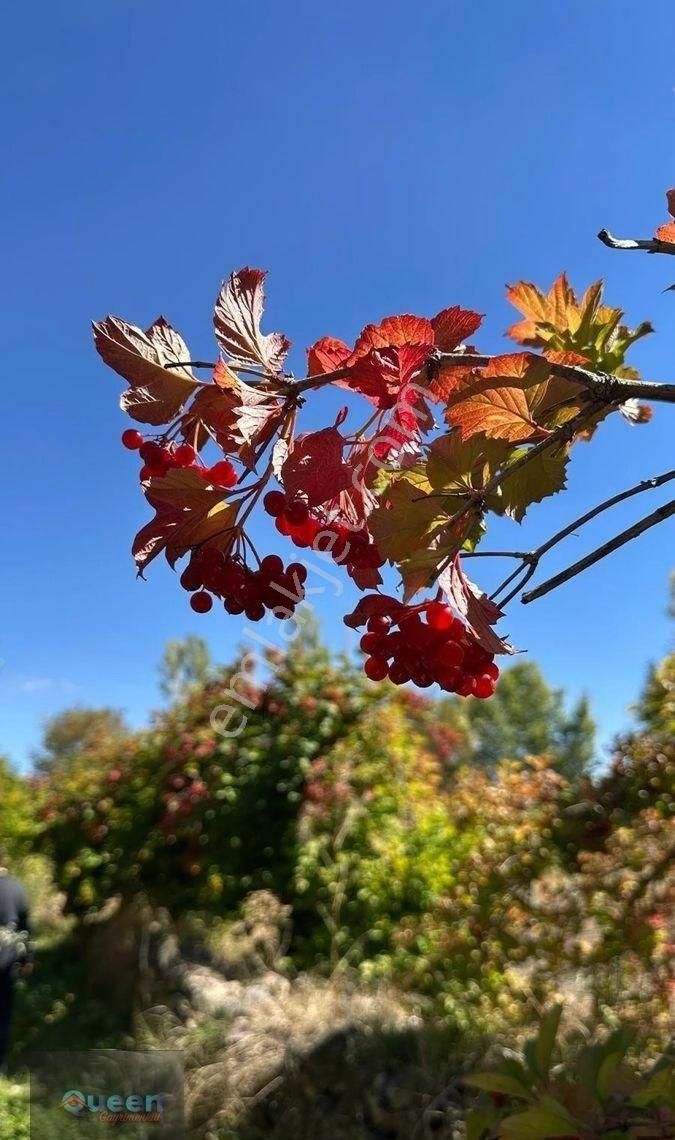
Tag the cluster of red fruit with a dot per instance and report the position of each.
(158, 458)
(403, 647)
(243, 590)
(351, 548)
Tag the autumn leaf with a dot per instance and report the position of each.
(503, 400)
(452, 326)
(315, 467)
(540, 477)
(327, 355)
(393, 332)
(406, 519)
(559, 321)
(237, 317)
(156, 394)
(374, 605)
(479, 613)
(461, 465)
(238, 416)
(188, 513)
(666, 232)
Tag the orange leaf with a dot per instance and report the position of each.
(452, 327)
(502, 400)
(393, 332)
(666, 233)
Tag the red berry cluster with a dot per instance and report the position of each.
(404, 647)
(351, 548)
(242, 590)
(158, 458)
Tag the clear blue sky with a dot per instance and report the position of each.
(375, 157)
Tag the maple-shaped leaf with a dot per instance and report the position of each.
(393, 332)
(540, 477)
(188, 513)
(315, 467)
(327, 355)
(452, 327)
(476, 609)
(559, 321)
(387, 376)
(509, 399)
(666, 232)
(458, 465)
(156, 394)
(406, 518)
(237, 317)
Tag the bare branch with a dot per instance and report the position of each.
(651, 245)
(656, 517)
(606, 387)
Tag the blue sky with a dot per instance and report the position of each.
(375, 157)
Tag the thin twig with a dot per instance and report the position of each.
(522, 554)
(656, 517)
(535, 556)
(651, 245)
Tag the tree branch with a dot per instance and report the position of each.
(608, 388)
(657, 516)
(531, 560)
(651, 245)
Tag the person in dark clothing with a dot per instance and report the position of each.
(14, 949)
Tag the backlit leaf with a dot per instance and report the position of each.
(156, 394)
(237, 317)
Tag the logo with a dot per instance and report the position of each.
(114, 1108)
(74, 1102)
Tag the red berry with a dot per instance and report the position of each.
(375, 668)
(184, 455)
(297, 571)
(449, 655)
(274, 503)
(132, 439)
(379, 624)
(255, 611)
(223, 474)
(398, 673)
(152, 452)
(484, 686)
(272, 566)
(440, 616)
(201, 602)
(297, 513)
(191, 578)
(145, 473)
(371, 643)
(282, 524)
(466, 688)
(492, 671)
(233, 607)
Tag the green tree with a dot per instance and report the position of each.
(184, 664)
(76, 734)
(525, 717)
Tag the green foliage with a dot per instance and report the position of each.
(184, 663)
(18, 815)
(14, 1112)
(593, 1092)
(525, 717)
(76, 734)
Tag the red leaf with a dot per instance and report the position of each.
(237, 322)
(479, 613)
(156, 393)
(382, 373)
(326, 355)
(666, 233)
(452, 327)
(393, 332)
(315, 467)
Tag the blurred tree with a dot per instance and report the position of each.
(18, 815)
(75, 734)
(656, 706)
(184, 664)
(525, 717)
